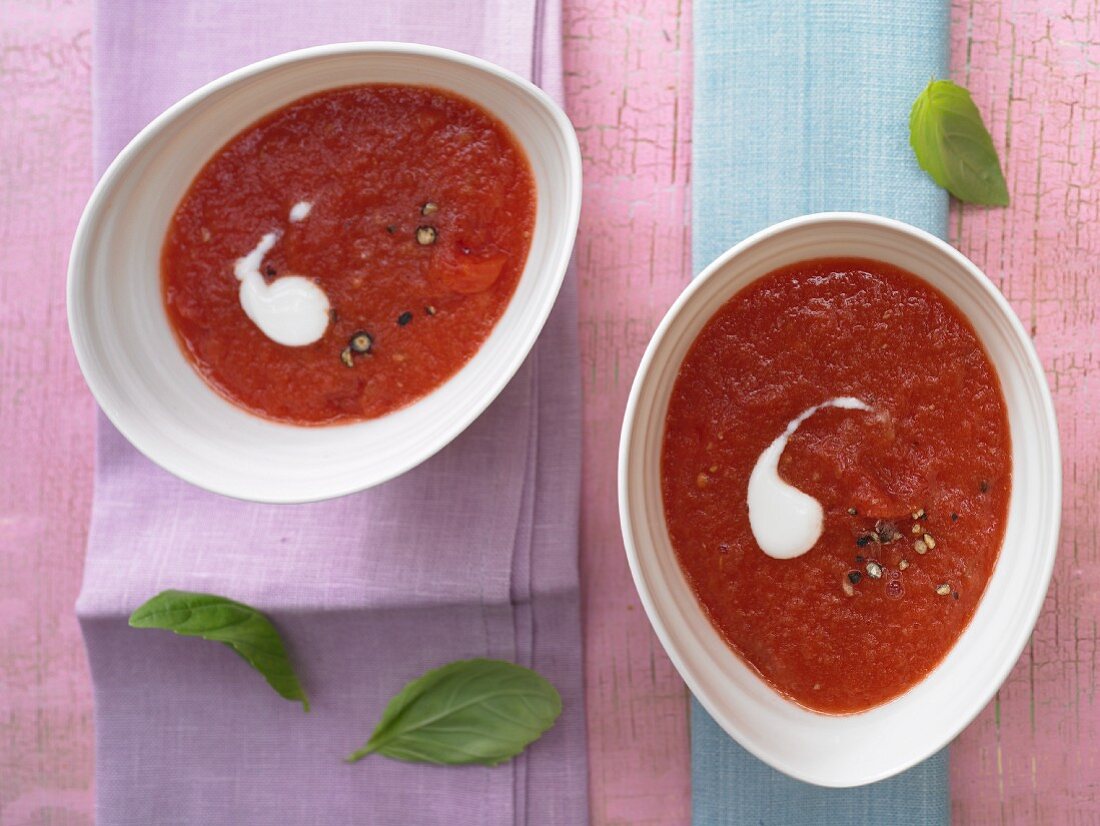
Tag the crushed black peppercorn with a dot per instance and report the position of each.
(887, 531)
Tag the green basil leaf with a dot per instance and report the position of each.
(241, 627)
(954, 147)
(470, 711)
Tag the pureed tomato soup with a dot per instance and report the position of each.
(911, 493)
(347, 254)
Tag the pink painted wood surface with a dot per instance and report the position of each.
(46, 417)
(1032, 757)
(628, 83)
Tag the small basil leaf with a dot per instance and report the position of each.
(241, 627)
(954, 147)
(470, 711)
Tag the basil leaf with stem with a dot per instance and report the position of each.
(470, 711)
(954, 147)
(241, 627)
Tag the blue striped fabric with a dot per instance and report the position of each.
(803, 106)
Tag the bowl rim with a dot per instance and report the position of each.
(1049, 434)
(98, 201)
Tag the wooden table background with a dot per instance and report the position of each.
(1033, 756)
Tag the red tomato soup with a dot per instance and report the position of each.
(410, 208)
(914, 492)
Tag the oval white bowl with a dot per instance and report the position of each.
(860, 748)
(121, 333)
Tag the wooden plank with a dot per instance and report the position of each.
(1033, 756)
(628, 81)
(46, 416)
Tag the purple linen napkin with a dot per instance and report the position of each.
(472, 554)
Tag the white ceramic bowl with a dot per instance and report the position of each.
(859, 748)
(121, 333)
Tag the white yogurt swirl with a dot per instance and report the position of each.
(300, 211)
(291, 310)
(785, 521)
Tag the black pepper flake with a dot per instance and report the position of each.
(864, 540)
(391, 229)
(954, 517)
(270, 271)
(955, 594)
(854, 577)
(859, 559)
(984, 486)
(886, 531)
(404, 318)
